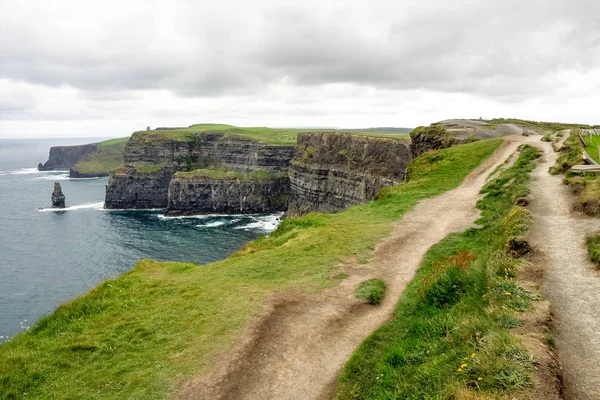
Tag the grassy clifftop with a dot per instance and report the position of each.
(274, 136)
(228, 174)
(139, 335)
(108, 157)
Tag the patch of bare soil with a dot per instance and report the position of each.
(297, 346)
(534, 334)
(570, 281)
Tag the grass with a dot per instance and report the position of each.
(108, 157)
(450, 336)
(591, 146)
(139, 335)
(229, 174)
(593, 246)
(275, 136)
(571, 153)
(371, 291)
(551, 127)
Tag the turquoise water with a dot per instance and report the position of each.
(49, 257)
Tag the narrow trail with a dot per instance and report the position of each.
(298, 345)
(570, 281)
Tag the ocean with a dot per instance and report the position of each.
(48, 257)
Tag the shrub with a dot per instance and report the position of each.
(593, 242)
(371, 291)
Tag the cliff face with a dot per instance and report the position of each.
(204, 149)
(332, 171)
(227, 196)
(129, 188)
(64, 157)
(160, 157)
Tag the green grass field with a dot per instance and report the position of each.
(591, 146)
(276, 136)
(108, 157)
(450, 336)
(139, 335)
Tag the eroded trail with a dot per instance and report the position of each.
(296, 348)
(570, 281)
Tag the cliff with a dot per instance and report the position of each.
(331, 171)
(65, 157)
(88, 160)
(151, 159)
(227, 192)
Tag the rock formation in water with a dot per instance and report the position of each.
(58, 198)
(332, 171)
(152, 159)
(64, 157)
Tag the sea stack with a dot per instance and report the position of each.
(58, 198)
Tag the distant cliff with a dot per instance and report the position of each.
(65, 157)
(87, 160)
(332, 171)
(151, 159)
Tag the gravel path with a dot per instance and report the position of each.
(297, 347)
(570, 280)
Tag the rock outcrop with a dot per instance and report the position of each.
(58, 198)
(245, 193)
(151, 159)
(332, 171)
(65, 157)
(433, 137)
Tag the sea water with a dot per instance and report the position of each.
(48, 257)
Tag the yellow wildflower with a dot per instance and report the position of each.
(473, 355)
(459, 370)
(507, 293)
(480, 378)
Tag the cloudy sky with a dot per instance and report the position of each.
(107, 68)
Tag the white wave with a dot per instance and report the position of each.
(212, 224)
(203, 216)
(266, 223)
(28, 171)
(99, 206)
(52, 178)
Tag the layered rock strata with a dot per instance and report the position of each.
(152, 159)
(193, 193)
(332, 171)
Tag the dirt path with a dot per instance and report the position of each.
(570, 281)
(296, 348)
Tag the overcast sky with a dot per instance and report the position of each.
(107, 68)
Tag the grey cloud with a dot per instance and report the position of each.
(495, 49)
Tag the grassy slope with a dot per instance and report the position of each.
(450, 331)
(137, 336)
(228, 174)
(277, 136)
(108, 157)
